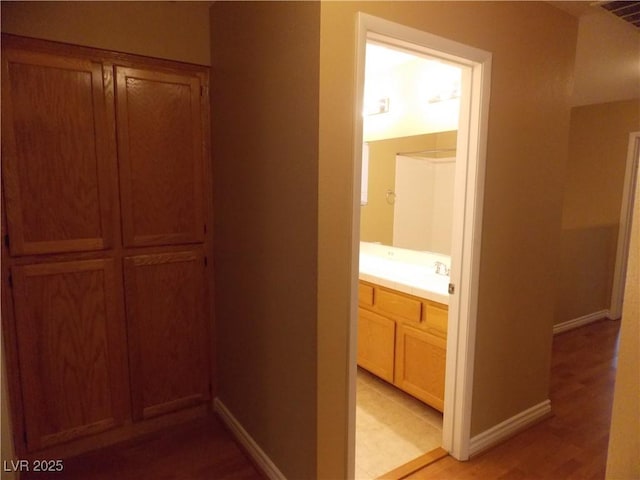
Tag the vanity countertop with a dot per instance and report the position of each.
(404, 270)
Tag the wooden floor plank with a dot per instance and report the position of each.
(198, 450)
(572, 444)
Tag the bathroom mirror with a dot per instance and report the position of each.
(410, 120)
(410, 192)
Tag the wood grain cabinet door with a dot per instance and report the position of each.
(420, 364)
(70, 339)
(58, 156)
(160, 152)
(376, 343)
(168, 331)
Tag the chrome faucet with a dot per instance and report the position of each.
(441, 268)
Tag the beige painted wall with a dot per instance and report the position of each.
(265, 149)
(172, 30)
(376, 221)
(607, 55)
(533, 46)
(599, 136)
(624, 440)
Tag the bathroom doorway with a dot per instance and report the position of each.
(410, 123)
(455, 150)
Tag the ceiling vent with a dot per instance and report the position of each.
(627, 11)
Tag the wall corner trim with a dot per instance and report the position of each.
(260, 458)
(509, 427)
(580, 321)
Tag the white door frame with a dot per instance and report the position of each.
(624, 230)
(467, 221)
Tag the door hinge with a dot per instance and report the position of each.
(452, 289)
(205, 261)
(10, 281)
(6, 240)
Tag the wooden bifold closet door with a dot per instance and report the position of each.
(56, 154)
(160, 155)
(71, 347)
(104, 172)
(167, 320)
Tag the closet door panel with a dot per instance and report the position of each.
(161, 157)
(58, 154)
(70, 338)
(166, 303)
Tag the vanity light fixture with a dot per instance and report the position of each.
(377, 107)
(445, 95)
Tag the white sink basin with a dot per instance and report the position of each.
(415, 279)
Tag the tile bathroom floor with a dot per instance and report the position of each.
(392, 427)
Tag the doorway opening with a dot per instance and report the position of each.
(424, 132)
(624, 231)
(410, 124)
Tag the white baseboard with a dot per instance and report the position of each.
(258, 455)
(580, 321)
(509, 427)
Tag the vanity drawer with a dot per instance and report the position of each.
(365, 294)
(436, 318)
(399, 305)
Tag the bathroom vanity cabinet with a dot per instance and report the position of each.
(402, 339)
(105, 303)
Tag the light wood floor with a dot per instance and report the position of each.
(573, 443)
(570, 445)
